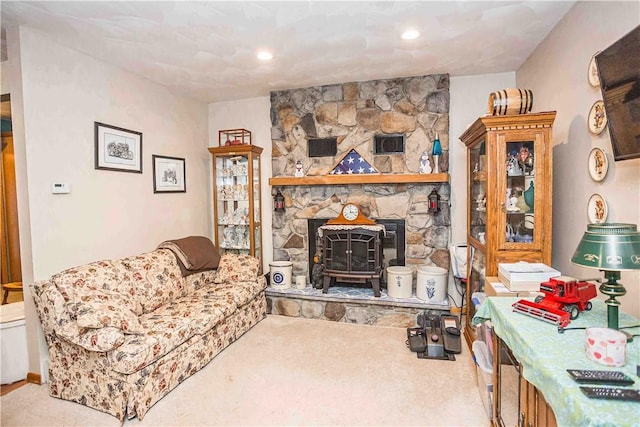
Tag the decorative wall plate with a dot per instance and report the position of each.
(592, 75)
(597, 210)
(597, 118)
(598, 164)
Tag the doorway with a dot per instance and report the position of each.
(10, 270)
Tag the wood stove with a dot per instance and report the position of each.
(352, 254)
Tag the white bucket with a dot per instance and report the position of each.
(281, 272)
(15, 360)
(431, 284)
(399, 282)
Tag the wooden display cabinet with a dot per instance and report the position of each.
(237, 206)
(509, 199)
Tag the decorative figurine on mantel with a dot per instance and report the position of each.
(299, 173)
(425, 164)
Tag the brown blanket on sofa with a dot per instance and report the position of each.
(194, 253)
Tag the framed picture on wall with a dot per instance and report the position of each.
(168, 174)
(117, 149)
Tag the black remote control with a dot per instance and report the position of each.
(591, 376)
(612, 393)
(451, 334)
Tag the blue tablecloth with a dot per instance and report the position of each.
(545, 355)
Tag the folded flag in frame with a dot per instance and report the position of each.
(353, 163)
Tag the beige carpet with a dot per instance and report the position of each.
(294, 371)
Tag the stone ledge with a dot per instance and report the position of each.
(355, 295)
(350, 305)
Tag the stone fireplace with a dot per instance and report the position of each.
(352, 115)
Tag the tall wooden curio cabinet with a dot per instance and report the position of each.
(509, 181)
(237, 206)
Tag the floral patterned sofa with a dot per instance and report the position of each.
(123, 333)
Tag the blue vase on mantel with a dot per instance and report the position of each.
(529, 196)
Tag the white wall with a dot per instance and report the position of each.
(469, 97)
(107, 214)
(251, 114)
(557, 74)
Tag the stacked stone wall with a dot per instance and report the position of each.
(354, 113)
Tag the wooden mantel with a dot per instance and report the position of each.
(345, 179)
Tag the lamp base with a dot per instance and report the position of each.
(612, 289)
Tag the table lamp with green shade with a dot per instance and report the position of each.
(612, 248)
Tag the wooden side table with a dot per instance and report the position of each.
(10, 287)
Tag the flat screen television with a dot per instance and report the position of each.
(619, 72)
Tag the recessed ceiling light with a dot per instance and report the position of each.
(410, 34)
(265, 55)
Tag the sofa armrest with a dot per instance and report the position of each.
(92, 339)
(57, 322)
(51, 308)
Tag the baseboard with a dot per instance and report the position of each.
(34, 378)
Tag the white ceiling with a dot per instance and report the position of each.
(206, 50)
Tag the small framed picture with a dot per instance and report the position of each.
(117, 149)
(168, 175)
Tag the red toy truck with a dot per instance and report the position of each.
(564, 298)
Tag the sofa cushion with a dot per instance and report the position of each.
(170, 325)
(165, 330)
(95, 275)
(240, 292)
(103, 339)
(210, 309)
(237, 268)
(77, 283)
(155, 276)
(198, 280)
(100, 309)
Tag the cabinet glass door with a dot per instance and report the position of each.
(256, 207)
(475, 281)
(237, 200)
(336, 251)
(233, 207)
(478, 193)
(516, 187)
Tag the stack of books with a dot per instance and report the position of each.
(525, 276)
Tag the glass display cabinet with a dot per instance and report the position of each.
(509, 198)
(237, 206)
